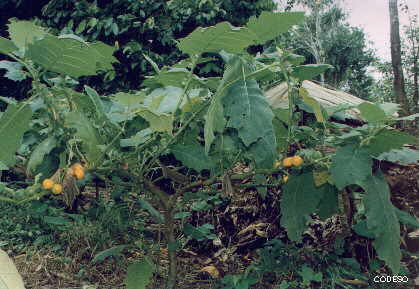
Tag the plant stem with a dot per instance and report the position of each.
(171, 246)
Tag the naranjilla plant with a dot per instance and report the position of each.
(182, 133)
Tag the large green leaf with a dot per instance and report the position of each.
(300, 199)
(328, 205)
(270, 25)
(96, 102)
(13, 70)
(387, 140)
(403, 156)
(104, 55)
(350, 165)
(308, 71)
(139, 274)
(87, 134)
(382, 220)
(249, 112)
(263, 150)
(193, 156)
(7, 46)
(317, 108)
(281, 135)
(158, 121)
(139, 138)
(68, 56)
(406, 218)
(13, 124)
(372, 113)
(39, 153)
(23, 33)
(214, 121)
(222, 36)
(236, 66)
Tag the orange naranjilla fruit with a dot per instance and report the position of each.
(297, 161)
(78, 173)
(57, 189)
(287, 162)
(47, 184)
(77, 166)
(285, 179)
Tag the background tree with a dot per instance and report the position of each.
(383, 88)
(396, 58)
(327, 37)
(137, 28)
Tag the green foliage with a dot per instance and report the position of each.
(90, 139)
(139, 274)
(193, 156)
(7, 46)
(13, 70)
(70, 56)
(149, 28)
(13, 124)
(386, 140)
(382, 220)
(299, 200)
(350, 165)
(40, 152)
(182, 126)
(24, 33)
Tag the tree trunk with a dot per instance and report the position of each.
(396, 59)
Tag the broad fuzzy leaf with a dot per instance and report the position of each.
(97, 103)
(13, 124)
(68, 56)
(350, 165)
(317, 108)
(387, 140)
(7, 46)
(139, 274)
(328, 205)
(403, 156)
(307, 72)
(13, 70)
(103, 55)
(23, 33)
(281, 134)
(222, 36)
(39, 153)
(263, 150)
(372, 112)
(111, 252)
(87, 134)
(382, 220)
(300, 199)
(249, 112)
(406, 218)
(193, 156)
(214, 121)
(236, 66)
(270, 25)
(139, 138)
(158, 121)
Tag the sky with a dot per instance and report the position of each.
(373, 17)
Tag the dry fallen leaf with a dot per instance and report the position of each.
(214, 273)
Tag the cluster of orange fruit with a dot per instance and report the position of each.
(289, 162)
(77, 170)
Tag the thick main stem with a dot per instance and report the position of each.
(171, 244)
